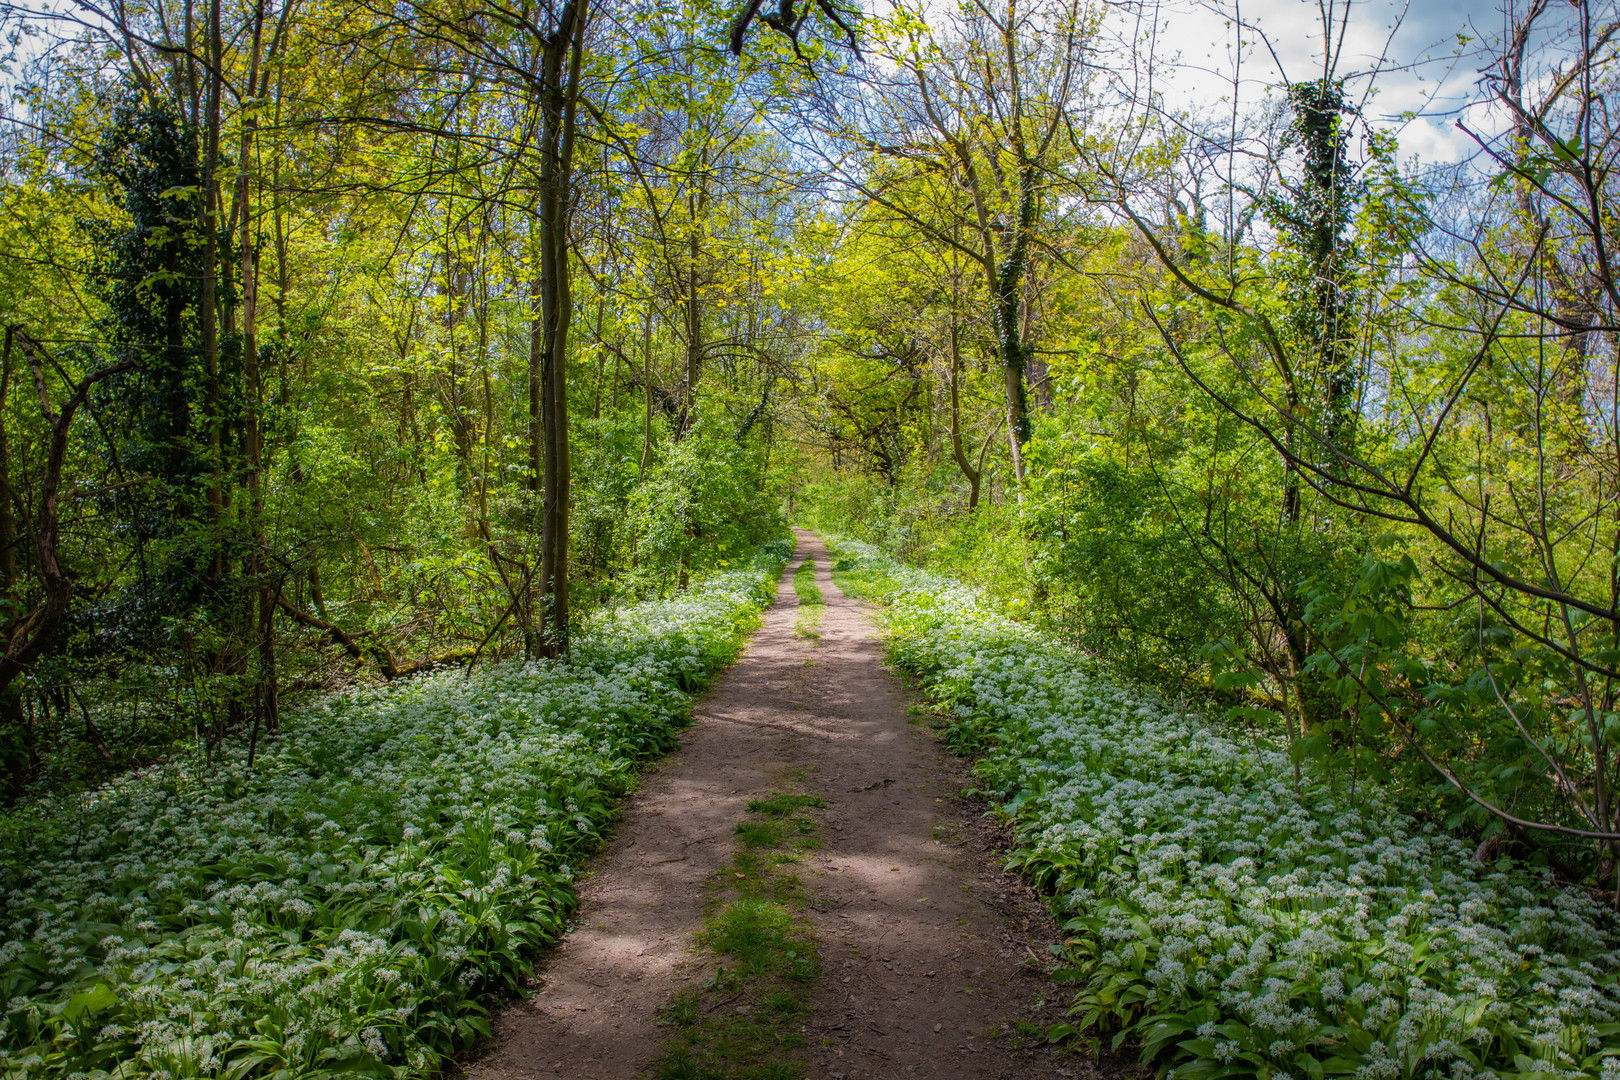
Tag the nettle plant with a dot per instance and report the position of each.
(1236, 925)
(344, 906)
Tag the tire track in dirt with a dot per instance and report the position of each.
(930, 953)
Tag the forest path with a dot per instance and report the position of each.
(926, 944)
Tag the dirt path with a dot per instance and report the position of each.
(928, 949)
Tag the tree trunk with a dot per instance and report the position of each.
(229, 658)
(208, 302)
(647, 392)
(457, 291)
(537, 354)
(1009, 289)
(559, 101)
(957, 450)
(37, 630)
(696, 205)
(266, 703)
(8, 520)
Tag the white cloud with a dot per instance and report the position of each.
(1413, 68)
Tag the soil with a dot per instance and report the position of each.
(931, 954)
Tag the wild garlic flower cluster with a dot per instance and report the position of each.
(1231, 925)
(396, 854)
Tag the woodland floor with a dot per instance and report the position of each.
(931, 954)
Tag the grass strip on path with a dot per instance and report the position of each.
(744, 1022)
(1225, 923)
(811, 604)
(349, 905)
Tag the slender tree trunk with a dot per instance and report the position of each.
(696, 205)
(559, 103)
(958, 451)
(1291, 505)
(457, 292)
(12, 715)
(225, 659)
(208, 300)
(488, 439)
(537, 355)
(266, 699)
(647, 391)
(601, 360)
(8, 520)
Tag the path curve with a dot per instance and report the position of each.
(930, 954)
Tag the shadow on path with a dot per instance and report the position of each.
(924, 942)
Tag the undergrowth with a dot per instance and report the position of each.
(1225, 923)
(349, 904)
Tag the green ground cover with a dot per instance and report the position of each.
(1225, 923)
(348, 906)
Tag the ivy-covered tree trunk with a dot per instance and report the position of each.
(1321, 386)
(1315, 220)
(1009, 292)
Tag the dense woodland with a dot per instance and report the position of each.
(347, 341)
(343, 342)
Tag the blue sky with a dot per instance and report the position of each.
(1420, 65)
